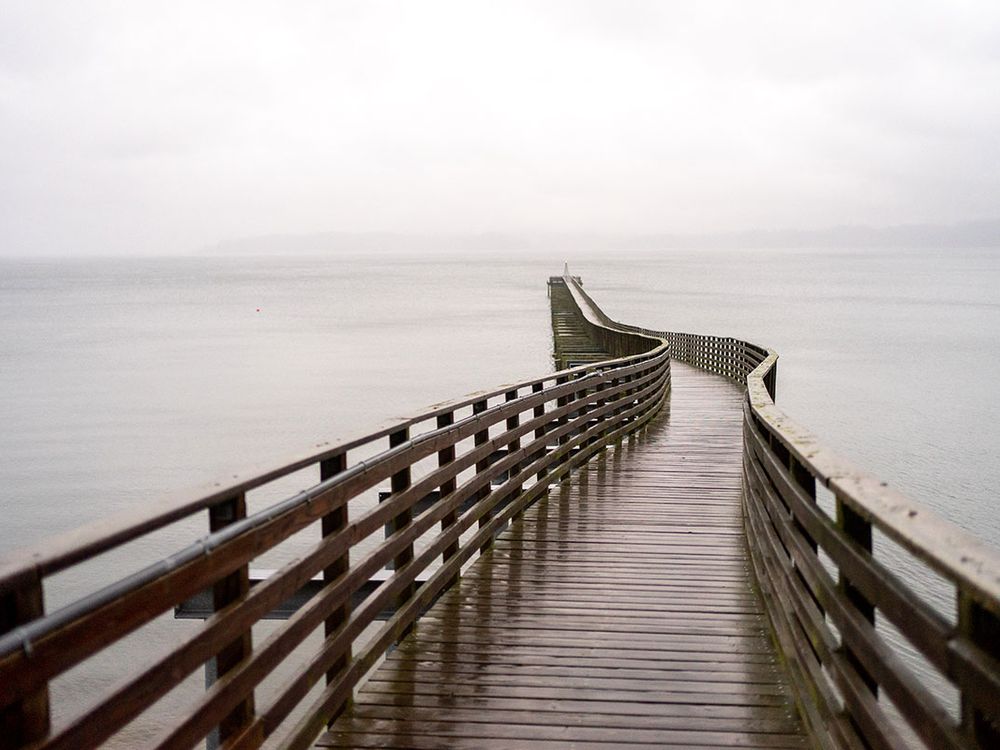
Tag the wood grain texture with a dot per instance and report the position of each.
(618, 611)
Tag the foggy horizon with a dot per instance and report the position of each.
(532, 375)
(171, 130)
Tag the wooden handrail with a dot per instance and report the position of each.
(497, 452)
(826, 614)
(827, 585)
(62, 551)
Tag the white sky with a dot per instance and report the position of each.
(142, 127)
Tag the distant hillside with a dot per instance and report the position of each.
(367, 243)
(904, 236)
(984, 234)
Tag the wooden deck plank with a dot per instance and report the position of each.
(578, 717)
(619, 612)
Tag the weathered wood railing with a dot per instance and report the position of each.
(486, 456)
(825, 611)
(829, 591)
(829, 587)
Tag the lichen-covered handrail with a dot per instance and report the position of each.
(827, 614)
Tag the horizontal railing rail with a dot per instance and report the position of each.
(833, 597)
(830, 592)
(487, 457)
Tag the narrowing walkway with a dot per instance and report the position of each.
(618, 612)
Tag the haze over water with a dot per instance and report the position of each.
(129, 380)
(649, 143)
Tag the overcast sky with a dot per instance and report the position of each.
(141, 127)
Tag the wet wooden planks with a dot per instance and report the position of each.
(618, 613)
(573, 345)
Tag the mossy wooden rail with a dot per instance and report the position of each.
(826, 586)
(458, 474)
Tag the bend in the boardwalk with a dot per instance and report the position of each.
(619, 611)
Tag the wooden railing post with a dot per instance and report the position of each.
(560, 402)
(332, 523)
(583, 410)
(513, 422)
(615, 382)
(859, 530)
(602, 386)
(397, 483)
(804, 479)
(633, 393)
(227, 590)
(445, 457)
(982, 627)
(27, 719)
(771, 381)
(625, 393)
(481, 438)
(539, 411)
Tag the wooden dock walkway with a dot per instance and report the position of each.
(611, 554)
(618, 612)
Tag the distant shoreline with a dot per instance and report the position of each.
(968, 235)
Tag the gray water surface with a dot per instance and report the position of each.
(127, 381)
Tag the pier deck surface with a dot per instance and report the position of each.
(619, 612)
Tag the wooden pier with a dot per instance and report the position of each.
(618, 612)
(637, 550)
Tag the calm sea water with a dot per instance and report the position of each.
(127, 381)
(891, 358)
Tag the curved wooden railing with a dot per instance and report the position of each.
(833, 597)
(832, 593)
(829, 614)
(458, 473)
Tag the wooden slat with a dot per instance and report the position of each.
(794, 463)
(226, 591)
(58, 647)
(25, 719)
(324, 705)
(276, 647)
(65, 550)
(44, 646)
(333, 524)
(526, 626)
(627, 591)
(863, 646)
(922, 625)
